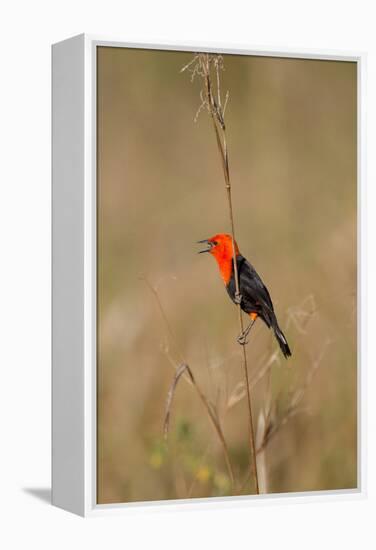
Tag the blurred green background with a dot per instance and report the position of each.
(291, 129)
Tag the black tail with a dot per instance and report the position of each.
(281, 340)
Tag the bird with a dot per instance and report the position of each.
(253, 297)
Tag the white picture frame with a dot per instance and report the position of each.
(74, 278)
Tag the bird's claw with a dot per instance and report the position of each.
(238, 298)
(242, 339)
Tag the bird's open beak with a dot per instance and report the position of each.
(206, 249)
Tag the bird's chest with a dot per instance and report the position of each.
(227, 270)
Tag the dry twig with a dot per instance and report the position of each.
(209, 409)
(183, 370)
(204, 65)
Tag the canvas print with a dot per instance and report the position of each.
(226, 275)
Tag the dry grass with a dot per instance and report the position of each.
(271, 419)
(292, 139)
(268, 425)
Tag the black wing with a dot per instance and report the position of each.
(256, 299)
(255, 295)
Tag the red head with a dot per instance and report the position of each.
(220, 246)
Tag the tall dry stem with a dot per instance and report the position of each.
(205, 65)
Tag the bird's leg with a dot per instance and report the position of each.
(242, 338)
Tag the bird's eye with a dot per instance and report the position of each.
(214, 243)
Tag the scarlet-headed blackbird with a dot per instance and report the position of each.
(254, 297)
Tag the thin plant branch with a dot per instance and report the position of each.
(161, 310)
(203, 67)
(273, 426)
(183, 370)
(294, 407)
